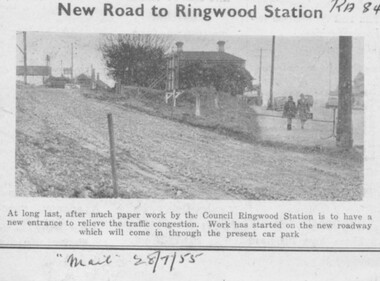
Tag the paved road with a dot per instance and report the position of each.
(158, 158)
(314, 134)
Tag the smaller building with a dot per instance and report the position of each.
(87, 82)
(84, 81)
(357, 93)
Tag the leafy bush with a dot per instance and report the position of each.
(224, 77)
(134, 59)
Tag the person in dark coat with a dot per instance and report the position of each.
(290, 111)
(303, 110)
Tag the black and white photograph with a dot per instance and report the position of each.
(206, 117)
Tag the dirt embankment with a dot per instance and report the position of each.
(62, 151)
(233, 116)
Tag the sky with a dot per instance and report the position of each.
(306, 65)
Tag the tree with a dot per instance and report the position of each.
(221, 77)
(196, 74)
(197, 78)
(135, 59)
(231, 78)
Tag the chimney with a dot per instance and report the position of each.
(179, 46)
(221, 46)
(92, 74)
(97, 76)
(93, 85)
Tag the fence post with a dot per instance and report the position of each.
(112, 153)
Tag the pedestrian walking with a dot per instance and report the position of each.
(290, 111)
(303, 110)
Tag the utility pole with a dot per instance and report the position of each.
(72, 61)
(47, 59)
(270, 102)
(24, 53)
(344, 126)
(329, 76)
(25, 60)
(112, 154)
(261, 58)
(93, 83)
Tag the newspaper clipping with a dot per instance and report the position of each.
(196, 140)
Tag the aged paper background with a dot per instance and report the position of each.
(342, 255)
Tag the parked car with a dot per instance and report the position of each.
(279, 103)
(72, 86)
(310, 100)
(56, 82)
(253, 98)
(332, 102)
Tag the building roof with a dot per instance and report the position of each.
(83, 77)
(209, 56)
(33, 70)
(101, 84)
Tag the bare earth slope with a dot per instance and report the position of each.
(62, 149)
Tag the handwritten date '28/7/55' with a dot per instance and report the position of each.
(160, 259)
(344, 6)
(156, 260)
